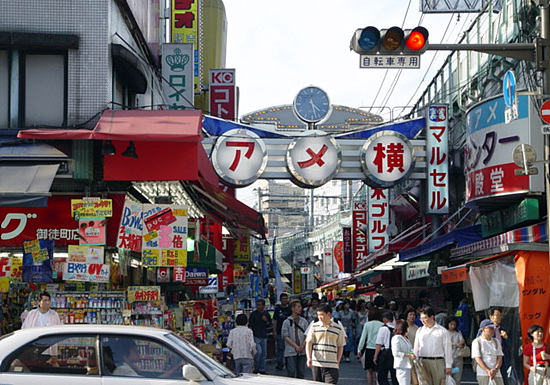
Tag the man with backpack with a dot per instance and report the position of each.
(383, 357)
(432, 346)
(487, 353)
(293, 333)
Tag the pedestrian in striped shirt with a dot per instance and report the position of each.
(325, 342)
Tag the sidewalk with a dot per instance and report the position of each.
(352, 373)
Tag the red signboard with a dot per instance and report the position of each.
(54, 222)
(222, 93)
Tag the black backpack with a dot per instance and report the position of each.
(386, 355)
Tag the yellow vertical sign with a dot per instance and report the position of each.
(242, 249)
(297, 281)
(184, 28)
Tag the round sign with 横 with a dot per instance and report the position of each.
(239, 157)
(313, 159)
(387, 157)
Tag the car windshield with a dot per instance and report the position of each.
(204, 360)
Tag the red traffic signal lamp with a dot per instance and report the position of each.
(394, 40)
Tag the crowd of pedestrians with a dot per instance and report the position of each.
(407, 344)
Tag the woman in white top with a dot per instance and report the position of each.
(457, 342)
(402, 349)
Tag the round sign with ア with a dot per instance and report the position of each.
(239, 157)
(386, 158)
(313, 159)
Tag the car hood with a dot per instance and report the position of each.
(255, 379)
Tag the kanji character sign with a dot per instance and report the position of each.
(386, 158)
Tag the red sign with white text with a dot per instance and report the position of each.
(54, 222)
(222, 93)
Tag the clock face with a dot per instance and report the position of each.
(311, 104)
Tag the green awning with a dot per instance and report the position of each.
(208, 257)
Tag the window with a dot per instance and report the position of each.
(69, 354)
(33, 88)
(140, 357)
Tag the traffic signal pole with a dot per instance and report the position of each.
(545, 35)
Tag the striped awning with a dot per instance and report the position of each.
(528, 234)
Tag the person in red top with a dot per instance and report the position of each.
(536, 356)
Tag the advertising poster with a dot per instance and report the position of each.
(131, 226)
(92, 230)
(86, 254)
(86, 272)
(164, 235)
(37, 261)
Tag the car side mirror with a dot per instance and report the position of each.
(191, 373)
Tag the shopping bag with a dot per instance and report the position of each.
(414, 376)
(464, 352)
(449, 380)
(420, 373)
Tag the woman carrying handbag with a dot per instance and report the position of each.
(535, 357)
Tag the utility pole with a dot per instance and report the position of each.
(545, 35)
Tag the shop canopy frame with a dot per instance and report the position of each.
(167, 138)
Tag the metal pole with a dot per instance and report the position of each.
(545, 34)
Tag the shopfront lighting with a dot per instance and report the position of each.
(108, 148)
(130, 151)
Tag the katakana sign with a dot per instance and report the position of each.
(490, 142)
(313, 159)
(239, 157)
(437, 137)
(386, 158)
(222, 93)
(359, 233)
(379, 219)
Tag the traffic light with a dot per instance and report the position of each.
(394, 40)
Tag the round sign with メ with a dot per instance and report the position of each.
(509, 88)
(313, 158)
(524, 154)
(545, 111)
(239, 157)
(386, 158)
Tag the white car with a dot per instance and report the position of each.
(110, 355)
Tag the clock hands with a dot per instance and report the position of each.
(313, 107)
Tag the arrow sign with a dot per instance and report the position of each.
(509, 88)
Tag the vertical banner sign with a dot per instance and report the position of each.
(222, 94)
(327, 265)
(131, 227)
(38, 261)
(338, 254)
(184, 28)
(164, 235)
(532, 272)
(379, 218)
(297, 281)
(359, 233)
(177, 69)
(438, 160)
(347, 250)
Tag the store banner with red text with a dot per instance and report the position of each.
(533, 272)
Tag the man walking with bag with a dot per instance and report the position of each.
(487, 353)
(432, 346)
(383, 357)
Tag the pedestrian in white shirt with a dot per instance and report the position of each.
(242, 345)
(432, 346)
(402, 353)
(487, 352)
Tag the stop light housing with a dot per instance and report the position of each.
(393, 41)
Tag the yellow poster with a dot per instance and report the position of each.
(184, 28)
(143, 293)
(92, 207)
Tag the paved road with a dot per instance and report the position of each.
(351, 373)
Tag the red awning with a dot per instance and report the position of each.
(168, 147)
(138, 125)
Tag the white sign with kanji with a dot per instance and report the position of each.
(328, 265)
(239, 157)
(313, 159)
(437, 137)
(386, 158)
(379, 218)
